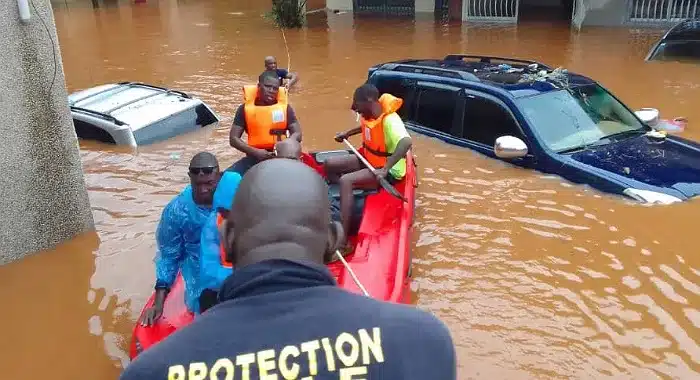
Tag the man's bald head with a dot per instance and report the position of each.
(281, 211)
(204, 160)
(270, 63)
(288, 148)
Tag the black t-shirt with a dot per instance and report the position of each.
(291, 320)
(239, 118)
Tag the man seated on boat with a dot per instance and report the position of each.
(266, 117)
(282, 314)
(282, 74)
(385, 143)
(214, 265)
(179, 232)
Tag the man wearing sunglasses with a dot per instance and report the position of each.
(267, 119)
(179, 233)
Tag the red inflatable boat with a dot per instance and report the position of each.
(381, 259)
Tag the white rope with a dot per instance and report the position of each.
(286, 47)
(352, 273)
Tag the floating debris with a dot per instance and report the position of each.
(558, 77)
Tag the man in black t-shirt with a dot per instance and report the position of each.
(283, 74)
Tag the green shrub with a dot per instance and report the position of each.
(288, 13)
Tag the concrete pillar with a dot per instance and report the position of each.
(339, 5)
(425, 6)
(43, 198)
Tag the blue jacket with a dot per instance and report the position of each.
(212, 273)
(290, 320)
(178, 238)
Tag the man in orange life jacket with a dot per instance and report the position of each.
(385, 143)
(266, 117)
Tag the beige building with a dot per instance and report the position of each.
(660, 13)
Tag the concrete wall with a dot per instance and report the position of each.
(43, 199)
(605, 12)
(425, 6)
(339, 5)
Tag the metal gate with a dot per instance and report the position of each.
(387, 7)
(662, 11)
(505, 11)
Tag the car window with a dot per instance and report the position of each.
(485, 121)
(183, 122)
(400, 89)
(681, 50)
(87, 131)
(577, 117)
(436, 109)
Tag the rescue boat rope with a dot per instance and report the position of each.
(286, 47)
(352, 273)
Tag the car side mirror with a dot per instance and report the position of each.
(649, 116)
(509, 147)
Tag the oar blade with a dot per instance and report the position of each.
(391, 189)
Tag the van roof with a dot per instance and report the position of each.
(134, 104)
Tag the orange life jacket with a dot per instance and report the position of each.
(222, 252)
(265, 125)
(375, 150)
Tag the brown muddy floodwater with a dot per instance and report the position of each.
(536, 278)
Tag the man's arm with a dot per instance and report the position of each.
(171, 247)
(402, 149)
(293, 124)
(235, 135)
(395, 130)
(293, 78)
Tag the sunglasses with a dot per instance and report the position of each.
(207, 170)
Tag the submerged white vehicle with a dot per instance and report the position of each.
(136, 114)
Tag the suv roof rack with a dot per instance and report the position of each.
(98, 114)
(97, 93)
(183, 94)
(489, 59)
(448, 73)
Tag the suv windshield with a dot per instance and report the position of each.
(572, 119)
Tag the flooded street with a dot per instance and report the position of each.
(536, 278)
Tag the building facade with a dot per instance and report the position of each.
(661, 13)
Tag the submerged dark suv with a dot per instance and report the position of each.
(681, 43)
(530, 115)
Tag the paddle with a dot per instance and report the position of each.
(382, 181)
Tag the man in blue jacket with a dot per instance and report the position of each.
(214, 268)
(179, 232)
(282, 314)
